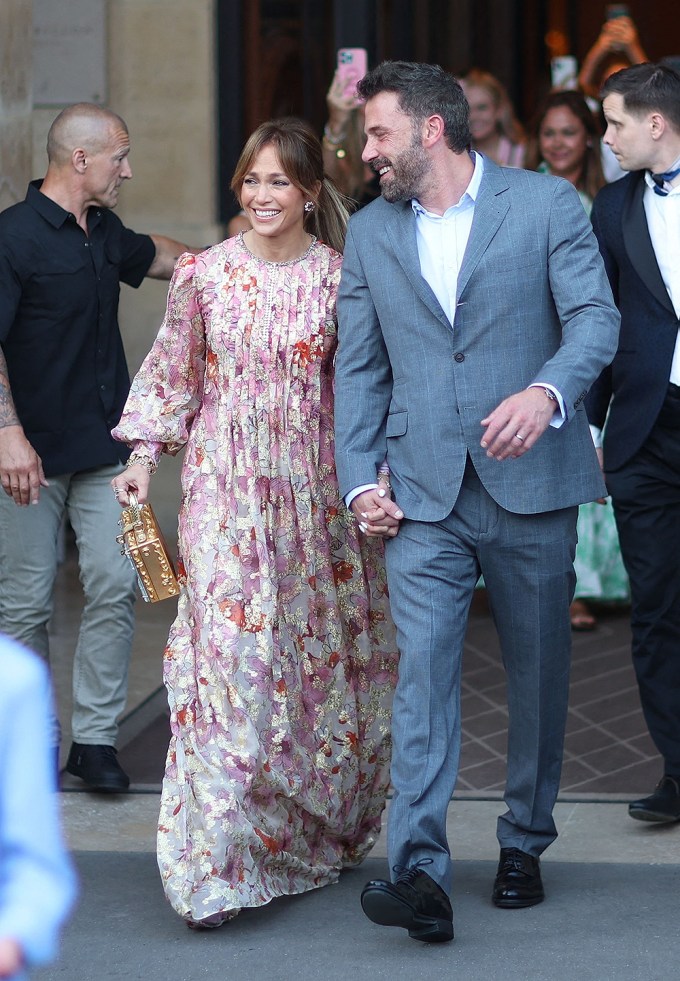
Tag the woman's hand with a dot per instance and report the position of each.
(378, 516)
(338, 101)
(340, 106)
(135, 478)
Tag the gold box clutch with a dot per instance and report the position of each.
(142, 541)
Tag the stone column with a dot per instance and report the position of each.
(16, 58)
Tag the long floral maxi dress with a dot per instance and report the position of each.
(281, 663)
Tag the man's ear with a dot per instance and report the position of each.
(433, 130)
(657, 125)
(79, 160)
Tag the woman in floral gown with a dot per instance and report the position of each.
(281, 662)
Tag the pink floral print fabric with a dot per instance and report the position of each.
(281, 663)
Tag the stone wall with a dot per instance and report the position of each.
(160, 77)
(15, 99)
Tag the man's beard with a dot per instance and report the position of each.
(408, 170)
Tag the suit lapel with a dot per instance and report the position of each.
(401, 230)
(491, 208)
(639, 244)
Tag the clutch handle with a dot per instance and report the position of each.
(131, 517)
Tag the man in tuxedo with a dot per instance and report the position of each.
(474, 314)
(637, 223)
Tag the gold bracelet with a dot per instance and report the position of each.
(143, 460)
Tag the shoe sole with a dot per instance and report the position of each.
(656, 816)
(100, 788)
(386, 909)
(516, 903)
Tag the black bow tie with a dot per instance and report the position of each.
(661, 179)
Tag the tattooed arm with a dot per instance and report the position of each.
(21, 472)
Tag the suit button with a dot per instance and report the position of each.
(459, 357)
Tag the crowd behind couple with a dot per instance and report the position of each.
(401, 398)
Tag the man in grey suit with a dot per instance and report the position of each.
(474, 314)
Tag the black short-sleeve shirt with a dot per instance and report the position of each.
(59, 291)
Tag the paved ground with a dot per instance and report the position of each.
(612, 908)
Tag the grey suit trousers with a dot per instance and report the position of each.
(527, 563)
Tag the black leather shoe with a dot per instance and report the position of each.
(518, 880)
(413, 901)
(98, 767)
(662, 806)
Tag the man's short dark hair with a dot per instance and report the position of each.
(423, 90)
(647, 88)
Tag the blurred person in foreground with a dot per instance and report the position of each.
(63, 382)
(281, 663)
(565, 141)
(637, 224)
(37, 882)
(464, 356)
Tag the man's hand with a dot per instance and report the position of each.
(21, 471)
(11, 957)
(517, 423)
(378, 516)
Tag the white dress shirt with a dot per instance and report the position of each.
(663, 221)
(442, 240)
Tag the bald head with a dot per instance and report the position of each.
(83, 125)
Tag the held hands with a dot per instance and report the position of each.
(376, 512)
(21, 470)
(517, 423)
(135, 479)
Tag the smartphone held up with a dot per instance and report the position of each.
(352, 66)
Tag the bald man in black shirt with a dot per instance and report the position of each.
(63, 383)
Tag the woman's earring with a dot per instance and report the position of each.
(309, 206)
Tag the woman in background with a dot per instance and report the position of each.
(281, 663)
(343, 143)
(496, 132)
(564, 141)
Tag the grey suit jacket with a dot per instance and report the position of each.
(533, 304)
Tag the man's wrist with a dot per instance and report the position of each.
(361, 489)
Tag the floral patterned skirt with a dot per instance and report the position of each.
(280, 668)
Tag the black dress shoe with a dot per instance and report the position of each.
(518, 880)
(413, 901)
(662, 806)
(98, 767)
